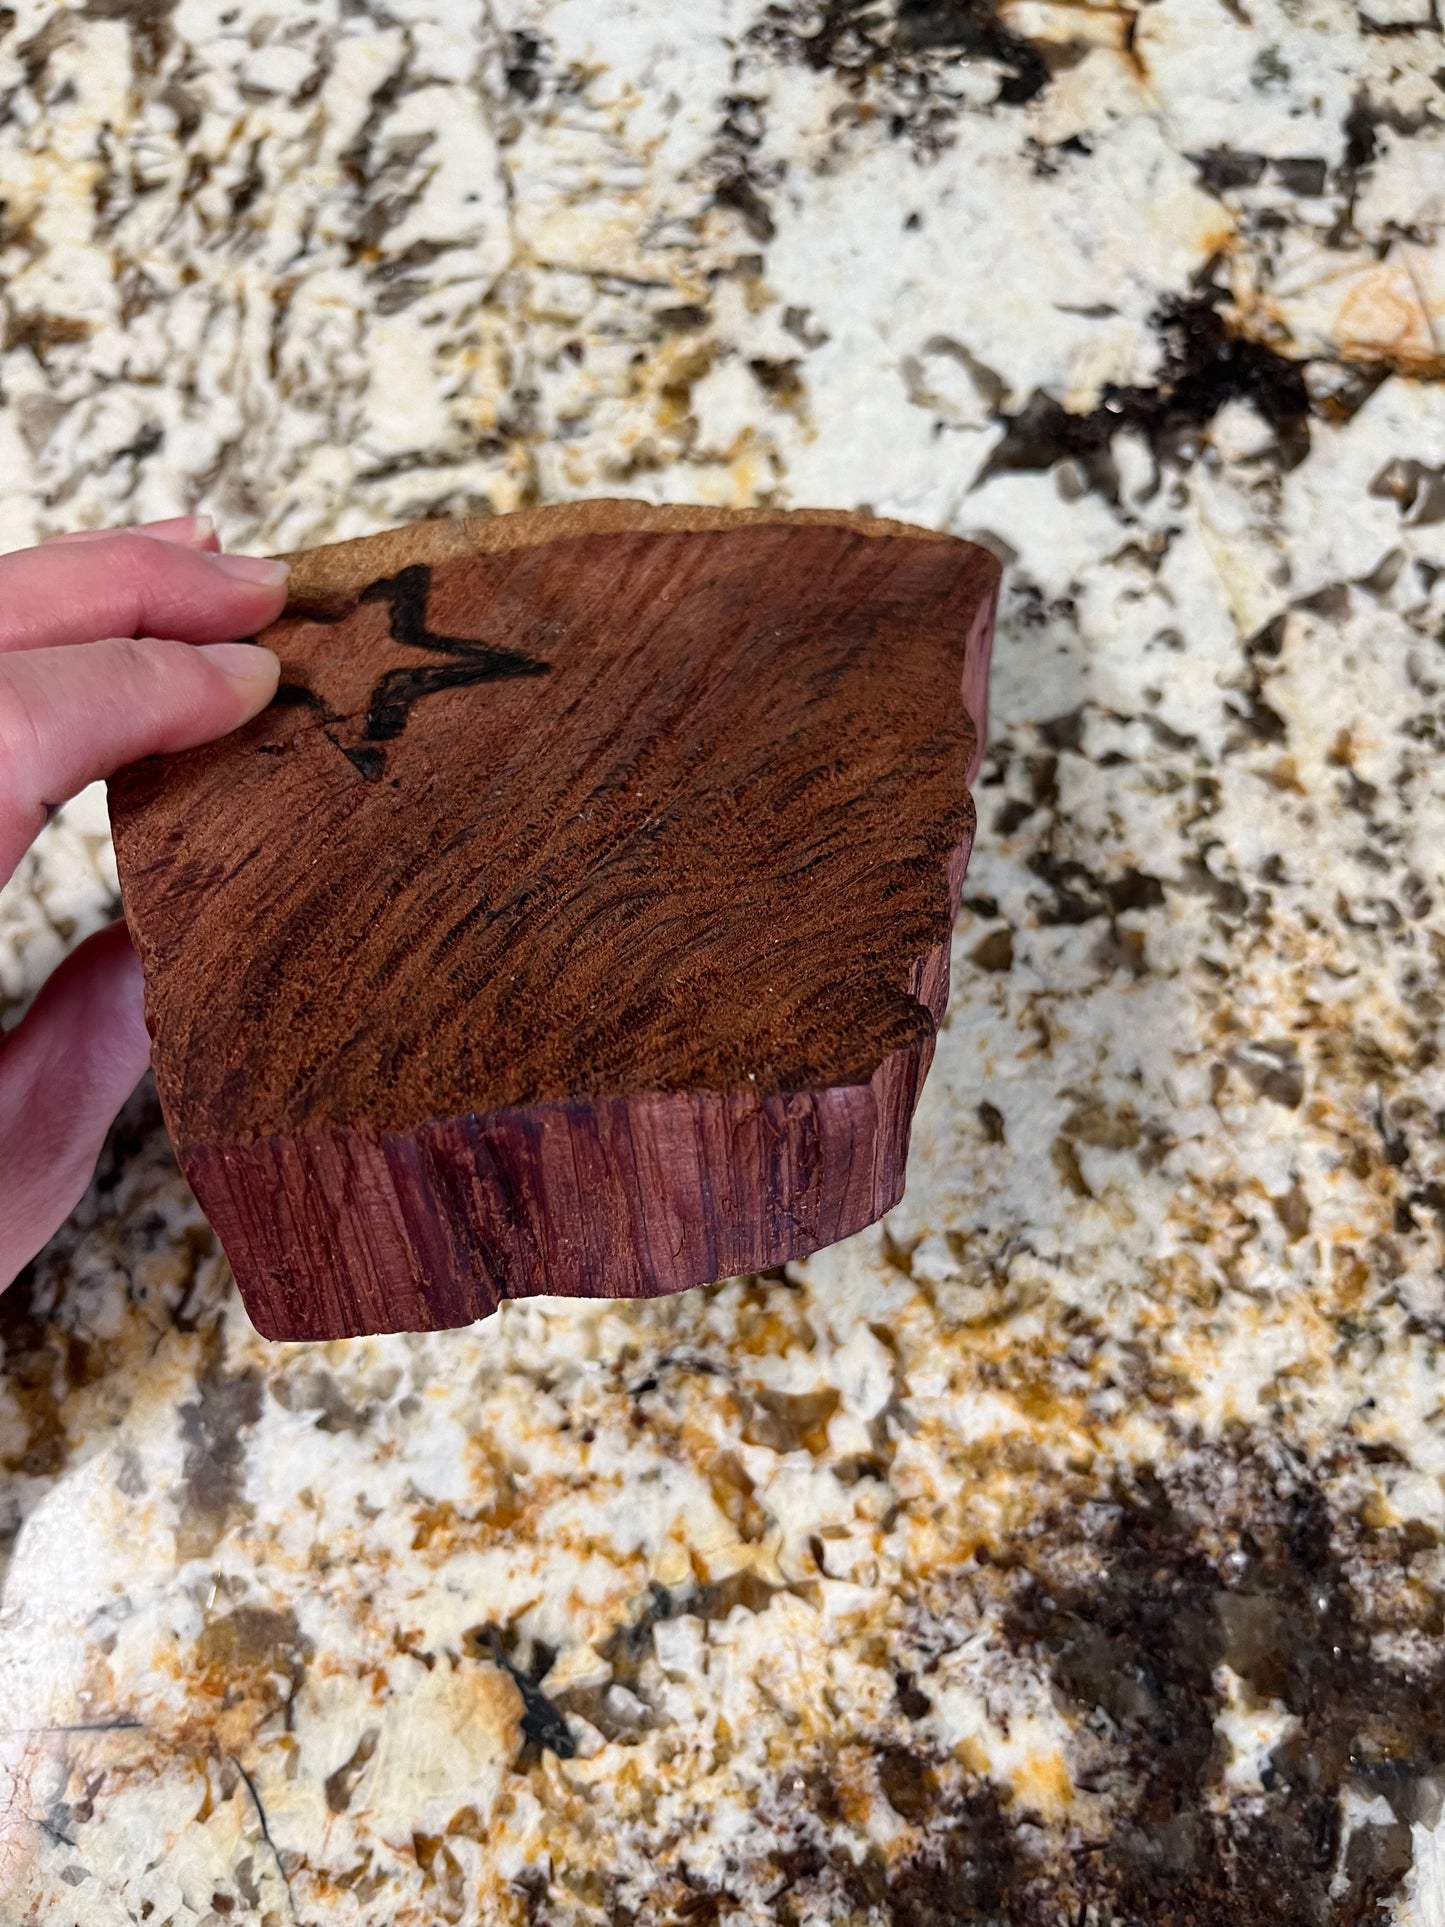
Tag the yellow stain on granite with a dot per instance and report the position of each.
(1044, 1784)
(1381, 314)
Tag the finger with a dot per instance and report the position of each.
(132, 585)
(186, 531)
(65, 1071)
(71, 716)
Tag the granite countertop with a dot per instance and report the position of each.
(1069, 1547)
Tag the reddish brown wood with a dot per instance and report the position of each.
(577, 920)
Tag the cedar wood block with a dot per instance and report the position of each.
(578, 918)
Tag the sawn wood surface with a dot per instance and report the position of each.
(577, 919)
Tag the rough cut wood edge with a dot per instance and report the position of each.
(662, 1191)
(620, 1197)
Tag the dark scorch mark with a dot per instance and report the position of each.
(406, 594)
(390, 705)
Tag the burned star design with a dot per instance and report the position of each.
(390, 705)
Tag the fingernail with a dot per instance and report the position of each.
(180, 528)
(263, 571)
(243, 662)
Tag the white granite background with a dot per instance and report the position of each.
(1070, 1548)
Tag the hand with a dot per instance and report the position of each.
(74, 708)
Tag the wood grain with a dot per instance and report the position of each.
(577, 920)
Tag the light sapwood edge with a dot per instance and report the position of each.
(345, 568)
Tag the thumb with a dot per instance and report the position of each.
(65, 1070)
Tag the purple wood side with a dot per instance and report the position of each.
(622, 1197)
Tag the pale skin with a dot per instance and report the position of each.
(112, 647)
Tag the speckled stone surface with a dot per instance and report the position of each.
(1068, 1549)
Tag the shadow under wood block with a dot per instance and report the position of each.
(577, 919)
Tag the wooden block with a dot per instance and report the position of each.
(577, 919)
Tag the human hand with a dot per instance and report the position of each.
(84, 689)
